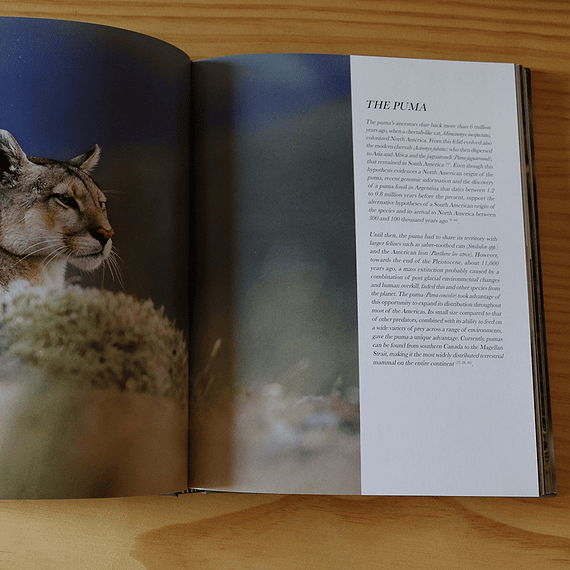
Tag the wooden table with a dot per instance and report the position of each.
(255, 531)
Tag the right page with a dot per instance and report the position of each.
(446, 372)
(362, 320)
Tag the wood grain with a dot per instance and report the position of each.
(216, 531)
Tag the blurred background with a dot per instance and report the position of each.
(276, 260)
(274, 158)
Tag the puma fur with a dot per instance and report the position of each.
(51, 213)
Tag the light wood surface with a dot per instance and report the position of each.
(227, 531)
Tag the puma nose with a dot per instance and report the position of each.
(103, 235)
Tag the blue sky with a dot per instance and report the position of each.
(267, 87)
(65, 86)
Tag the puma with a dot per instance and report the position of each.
(51, 213)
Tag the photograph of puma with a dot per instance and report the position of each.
(94, 241)
(284, 326)
(178, 281)
(64, 221)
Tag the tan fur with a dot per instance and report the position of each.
(51, 213)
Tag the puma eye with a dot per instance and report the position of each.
(66, 201)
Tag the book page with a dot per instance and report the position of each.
(446, 393)
(419, 312)
(93, 370)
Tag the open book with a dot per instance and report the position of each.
(346, 247)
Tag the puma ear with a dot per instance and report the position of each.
(11, 155)
(87, 161)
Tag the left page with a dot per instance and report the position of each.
(94, 242)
